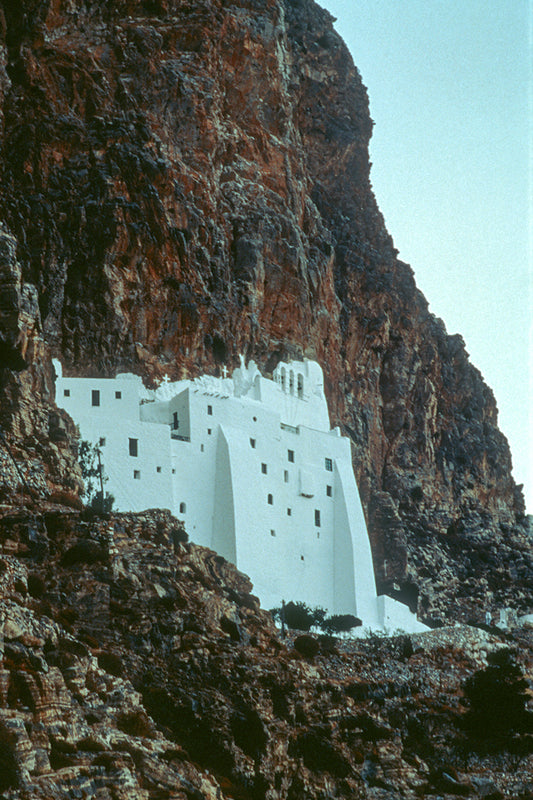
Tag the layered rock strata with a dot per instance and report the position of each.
(138, 666)
(188, 181)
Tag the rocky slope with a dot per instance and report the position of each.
(138, 666)
(182, 182)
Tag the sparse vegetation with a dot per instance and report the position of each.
(340, 623)
(299, 616)
(497, 698)
(92, 471)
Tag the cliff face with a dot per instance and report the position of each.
(185, 182)
(136, 667)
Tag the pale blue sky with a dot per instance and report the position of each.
(450, 93)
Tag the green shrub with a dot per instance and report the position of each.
(299, 616)
(92, 471)
(497, 698)
(340, 623)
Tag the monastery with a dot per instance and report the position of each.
(251, 466)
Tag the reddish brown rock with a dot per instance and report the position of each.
(187, 182)
(121, 678)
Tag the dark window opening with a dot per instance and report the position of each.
(175, 421)
(158, 469)
(286, 475)
(317, 517)
(118, 395)
(290, 455)
(137, 474)
(252, 443)
(66, 392)
(329, 491)
(301, 558)
(289, 512)
(329, 464)
(134, 447)
(300, 387)
(183, 508)
(272, 532)
(95, 397)
(210, 410)
(209, 430)
(270, 500)
(102, 441)
(264, 469)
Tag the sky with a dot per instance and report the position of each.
(450, 88)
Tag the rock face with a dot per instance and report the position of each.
(139, 667)
(39, 460)
(188, 181)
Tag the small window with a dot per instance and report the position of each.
(66, 392)
(101, 443)
(329, 464)
(210, 410)
(137, 474)
(183, 508)
(175, 421)
(289, 512)
(286, 475)
(201, 448)
(300, 387)
(264, 469)
(209, 430)
(329, 491)
(317, 517)
(95, 397)
(302, 558)
(291, 382)
(272, 532)
(134, 447)
(290, 455)
(173, 471)
(270, 500)
(254, 419)
(118, 395)
(158, 469)
(318, 534)
(252, 443)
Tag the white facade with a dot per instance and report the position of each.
(253, 469)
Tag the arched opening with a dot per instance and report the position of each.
(183, 508)
(283, 378)
(301, 387)
(291, 382)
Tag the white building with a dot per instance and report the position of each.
(253, 469)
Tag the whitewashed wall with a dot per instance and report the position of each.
(255, 472)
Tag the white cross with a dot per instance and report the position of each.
(224, 372)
